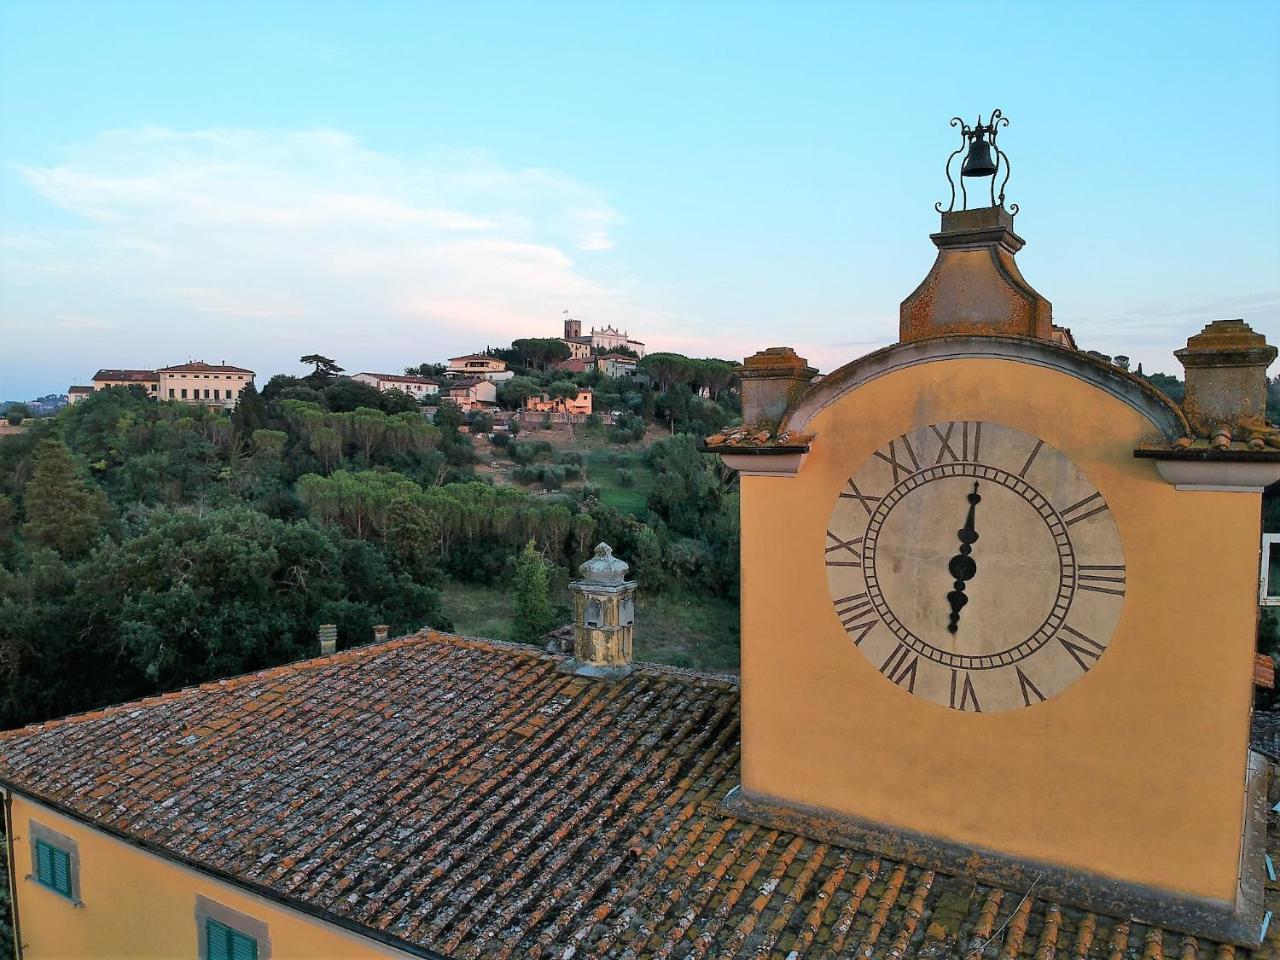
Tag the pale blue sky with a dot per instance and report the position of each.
(388, 183)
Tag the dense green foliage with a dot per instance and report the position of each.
(533, 615)
(146, 545)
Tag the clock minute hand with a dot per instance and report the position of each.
(962, 566)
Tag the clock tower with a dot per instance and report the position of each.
(999, 594)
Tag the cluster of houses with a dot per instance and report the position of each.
(470, 381)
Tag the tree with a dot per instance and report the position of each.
(539, 352)
(16, 413)
(667, 368)
(563, 389)
(514, 392)
(426, 370)
(1170, 386)
(715, 375)
(64, 512)
(250, 413)
(344, 395)
(325, 368)
(533, 614)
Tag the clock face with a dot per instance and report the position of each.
(975, 566)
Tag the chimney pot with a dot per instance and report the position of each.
(381, 632)
(1225, 367)
(771, 381)
(604, 617)
(328, 638)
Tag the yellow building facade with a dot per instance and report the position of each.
(130, 903)
(999, 599)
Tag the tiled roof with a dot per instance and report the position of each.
(478, 356)
(1265, 734)
(76, 388)
(461, 797)
(200, 366)
(128, 375)
(399, 378)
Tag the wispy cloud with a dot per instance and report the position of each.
(279, 241)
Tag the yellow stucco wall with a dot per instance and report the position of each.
(137, 905)
(1136, 771)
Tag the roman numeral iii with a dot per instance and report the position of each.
(1101, 578)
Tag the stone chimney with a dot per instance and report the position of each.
(771, 380)
(1226, 374)
(381, 632)
(975, 286)
(604, 615)
(328, 638)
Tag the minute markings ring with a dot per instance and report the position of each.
(1062, 540)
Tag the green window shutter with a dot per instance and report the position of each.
(53, 867)
(225, 943)
(44, 863)
(61, 871)
(242, 947)
(218, 937)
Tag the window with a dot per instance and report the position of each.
(226, 934)
(55, 861)
(224, 943)
(1269, 592)
(206, 393)
(228, 393)
(171, 393)
(593, 613)
(53, 867)
(184, 393)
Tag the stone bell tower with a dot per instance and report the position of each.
(603, 617)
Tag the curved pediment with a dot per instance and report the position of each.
(1164, 415)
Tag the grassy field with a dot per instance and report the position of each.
(696, 632)
(602, 461)
(602, 468)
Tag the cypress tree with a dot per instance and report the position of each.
(63, 511)
(533, 616)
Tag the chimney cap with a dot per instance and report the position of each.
(604, 568)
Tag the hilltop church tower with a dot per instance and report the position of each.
(572, 328)
(1000, 595)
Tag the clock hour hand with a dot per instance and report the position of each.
(962, 567)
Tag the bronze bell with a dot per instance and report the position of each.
(978, 162)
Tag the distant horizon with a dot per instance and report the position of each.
(397, 183)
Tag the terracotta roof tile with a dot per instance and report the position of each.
(463, 797)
